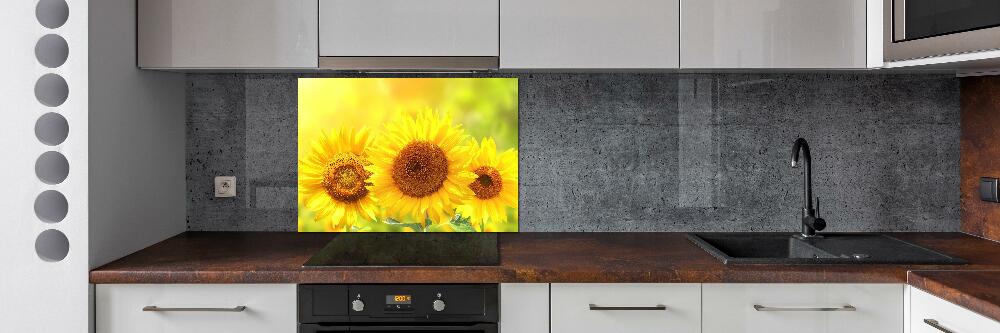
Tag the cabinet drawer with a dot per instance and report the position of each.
(622, 307)
(947, 315)
(269, 308)
(802, 308)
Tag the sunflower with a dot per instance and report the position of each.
(495, 186)
(419, 166)
(333, 181)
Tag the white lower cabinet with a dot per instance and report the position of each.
(625, 307)
(524, 308)
(802, 308)
(569, 307)
(930, 314)
(190, 308)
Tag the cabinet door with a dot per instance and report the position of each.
(408, 28)
(930, 314)
(524, 308)
(268, 308)
(589, 34)
(773, 34)
(227, 33)
(802, 308)
(626, 307)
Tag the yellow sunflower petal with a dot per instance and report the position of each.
(331, 192)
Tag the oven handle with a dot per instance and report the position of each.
(313, 328)
(485, 328)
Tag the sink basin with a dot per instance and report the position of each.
(835, 248)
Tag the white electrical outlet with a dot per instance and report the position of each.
(225, 186)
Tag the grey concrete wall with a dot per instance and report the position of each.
(640, 152)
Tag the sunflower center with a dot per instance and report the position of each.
(344, 177)
(488, 184)
(420, 169)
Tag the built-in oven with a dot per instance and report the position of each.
(916, 29)
(387, 308)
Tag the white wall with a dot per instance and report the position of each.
(126, 135)
(38, 295)
(137, 185)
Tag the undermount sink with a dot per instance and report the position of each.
(836, 248)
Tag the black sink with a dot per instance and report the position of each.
(834, 248)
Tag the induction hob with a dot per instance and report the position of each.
(408, 249)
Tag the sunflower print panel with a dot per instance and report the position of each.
(408, 155)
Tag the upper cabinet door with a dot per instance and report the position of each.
(773, 34)
(409, 28)
(179, 34)
(596, 34)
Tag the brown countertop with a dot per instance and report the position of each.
(975, 290)
(269, 257)
(277, 257)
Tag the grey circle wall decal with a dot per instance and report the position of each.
(51, 129)
(51, 206)
(51, 51)
(52, 167)
(52, 245)
(51, 90)
(52, 13)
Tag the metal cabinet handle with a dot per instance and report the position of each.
(935, 324)
(848, 307)
(159, 309)
(657, 307)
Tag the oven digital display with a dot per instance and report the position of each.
(398, 299)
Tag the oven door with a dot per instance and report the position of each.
(474, 328)
(916, 29)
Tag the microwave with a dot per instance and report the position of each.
(915, 29)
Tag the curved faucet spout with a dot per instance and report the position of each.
(810, 222)
(807, 188)
(800, 145)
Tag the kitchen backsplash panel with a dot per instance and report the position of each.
(638, 152)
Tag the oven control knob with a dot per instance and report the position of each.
(358, 305)
(438, 305)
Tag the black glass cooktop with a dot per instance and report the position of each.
(408, 249)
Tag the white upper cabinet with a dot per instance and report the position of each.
(408, 28)
(179, 34)
(596, 34)
(776, 34)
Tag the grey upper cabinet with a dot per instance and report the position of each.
(219, 34)
(589, 34)
(409, 28)
(774, 34)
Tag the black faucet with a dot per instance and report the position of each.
(811, 222)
